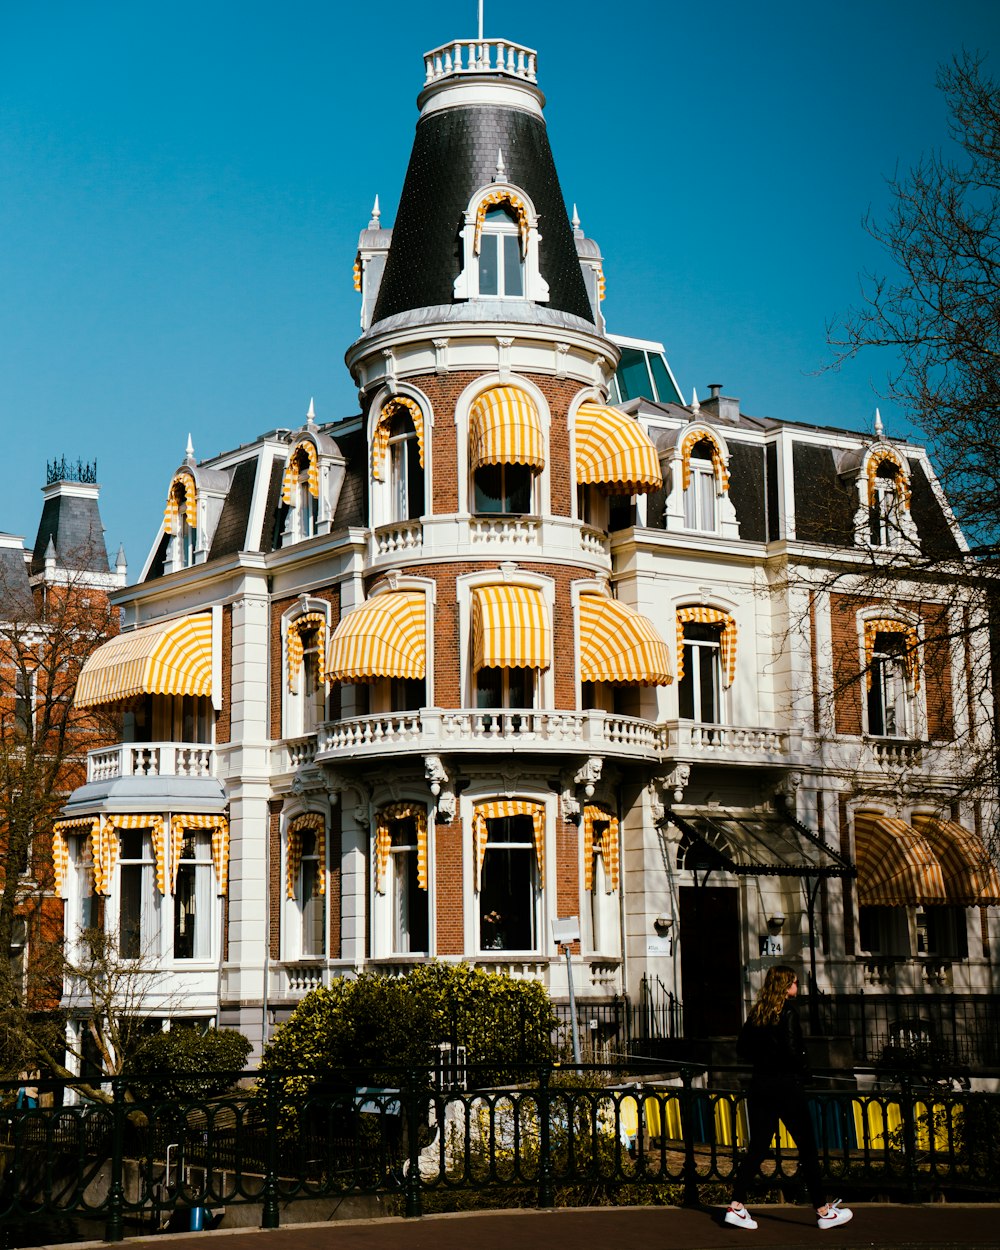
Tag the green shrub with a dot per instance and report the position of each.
(369, 1028)
(186, 1063)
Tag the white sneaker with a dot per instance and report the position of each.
(740, 1218)
(836, 1216)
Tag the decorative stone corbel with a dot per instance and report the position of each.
(308, 780)
(787, 787)
(578, 786)
(338, 783)
(439, 782)
(674, 781)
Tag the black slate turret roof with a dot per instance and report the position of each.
(73, 524)
(454, 153)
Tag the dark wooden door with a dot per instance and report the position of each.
(711, 969)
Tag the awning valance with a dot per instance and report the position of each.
(383, 840)
(484, 812)
(896, 865)
(182, 497)
(612, 449)
(690, 442)
(727, 640)
(302, 457)
(295, 645)
(305, 822)
(385, 637)
(879, 457)
(219, 827)
(510, 628)
(761, 844)
(911, 654)
(971, 878)
(383, 429)
(172, 657)
(606, 841)
(619, 645)
(505, 428)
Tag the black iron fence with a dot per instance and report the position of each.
(559, 1136)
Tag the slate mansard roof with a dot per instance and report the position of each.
(455, 153)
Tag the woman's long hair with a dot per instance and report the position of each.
(773, 995)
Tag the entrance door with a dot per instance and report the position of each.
(711, 980)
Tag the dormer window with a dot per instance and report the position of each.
(884, 507)
(180, 519)
(500, 247)
(700, 511)
(300, 491)
(501, 261)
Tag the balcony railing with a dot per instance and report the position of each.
(480, 56)
(475, 729)
(753, 743)
(389, 540)
(151, 759)
(523, 531)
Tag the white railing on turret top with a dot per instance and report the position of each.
(480, 56)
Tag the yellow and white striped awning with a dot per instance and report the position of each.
(896, 865)
(612, 449)
(315, 823)
(619, 645)
(294, 645)
(879, 457)
(89, 826)
(172, 657)
(181, 497)
(911, 654)
(385, 637)
(484, 812)
(970, 876)
(505, 428)
(383, 840)
(510, 628)
(691, 441)
(383, 428)
(302, 457)
(606, 842)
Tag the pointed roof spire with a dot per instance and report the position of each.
(695, 406)
(575, 222)
(311, 415)
(501, 173)
(879, 429)
(121, 564)
(376, 220)
(189, 450)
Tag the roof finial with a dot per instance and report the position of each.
(189, 451)
(311, 415)
(695, 406)
(575, 222)
(501, 174)
(376, 221)
(879, 430)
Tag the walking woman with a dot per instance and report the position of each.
(771, 1040)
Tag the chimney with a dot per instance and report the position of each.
(724, 407)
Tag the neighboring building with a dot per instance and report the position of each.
(54, 611)
(419, 681)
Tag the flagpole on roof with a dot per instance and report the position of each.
(480, 21)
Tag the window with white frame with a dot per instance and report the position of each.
(506, 687)
(186, 540)
(306, 507)
(410, 932)
(603, 900)
(169, 718)
(306, 701)
(138, 897)
(509, 894)
(193, 897)
(890, 692)
(501, 260)
(700, 689)
(83, 903)
(306, 913)
(884, 510)
(406, 474)
(701, 511)
(24, 703)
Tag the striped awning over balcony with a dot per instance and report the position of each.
(385, 637)
(970, 876)
(172, 657)
(897, 866)
(510, 628)
(613, 450)
(619, 645)
(505, 428)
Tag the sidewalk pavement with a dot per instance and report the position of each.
(887, 1227)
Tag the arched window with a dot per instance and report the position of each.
(888, 498)
(406, 475)
(305, 645)
(506, 450)
(180, 519)
(401, 874)
(501, 256)
(700, 510)
(300, 491)
(706, 663)
(305, 889)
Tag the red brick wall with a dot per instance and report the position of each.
(334, 883)
(937, 672)
(448, 843)
(447, 641)
(567, 871)
(443, 391)
(277, 886)
(223, 723)
(847, 681)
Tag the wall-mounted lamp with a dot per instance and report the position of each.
(663, 923)
(775, 923)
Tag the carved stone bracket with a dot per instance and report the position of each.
(441, 787)
(787, 787)
(579, 786)
(340, 784)
(308, 780)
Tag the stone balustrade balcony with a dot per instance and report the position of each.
(151, 759)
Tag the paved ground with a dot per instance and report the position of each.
(937, 1227)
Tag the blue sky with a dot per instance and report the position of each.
(182, 186)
